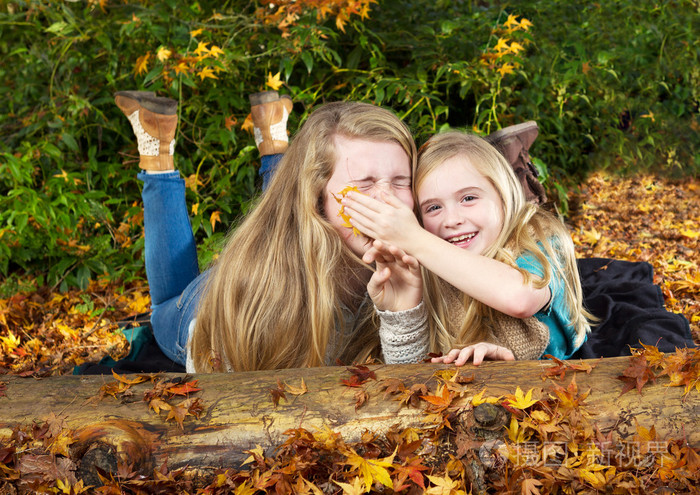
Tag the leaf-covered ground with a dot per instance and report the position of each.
(44, 332)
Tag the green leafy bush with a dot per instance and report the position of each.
(611, 84)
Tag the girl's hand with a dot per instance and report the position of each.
(390, 220)
(477, 352)
(397, 284)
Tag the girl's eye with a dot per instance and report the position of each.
(364, 186)
(402, 184)
(431, 208)
(468, 198)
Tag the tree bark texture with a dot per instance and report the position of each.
(239, 412)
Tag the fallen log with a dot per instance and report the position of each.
(244, 410)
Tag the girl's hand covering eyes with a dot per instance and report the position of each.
(476, 352)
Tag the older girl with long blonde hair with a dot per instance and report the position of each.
(290, 287)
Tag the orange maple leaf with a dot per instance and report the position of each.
(141, 65)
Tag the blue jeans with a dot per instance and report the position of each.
(171, 258)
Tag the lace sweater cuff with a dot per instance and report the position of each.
(404, 335)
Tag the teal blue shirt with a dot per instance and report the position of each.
(562, 333)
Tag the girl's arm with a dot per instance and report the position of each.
(492, 282)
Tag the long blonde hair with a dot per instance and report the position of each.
(526, 228)
(273, 299)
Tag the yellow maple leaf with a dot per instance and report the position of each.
(215, 217)
(444, 486)
(357, 487)
(511, 21)
(501, 45)
(515, 433)
(206, 72)
(591, 236)
(215, 51)
(11, 342)
(163, 54)
(341, 211)
(196, 32)
(525, 24)
(256, 452)
(181, 67)
(520, 400)
(478, 399)
(506, 68)
(140, 303)
(195, 209)
(516, 47)
(141, 65)
(273, 81)
(690, 234)
(373, 469)
(201, 48)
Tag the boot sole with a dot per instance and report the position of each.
(512, 130)
(157, 104)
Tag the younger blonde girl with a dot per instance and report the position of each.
(503, 259)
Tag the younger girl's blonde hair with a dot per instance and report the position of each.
(526, 228)
(275, 295)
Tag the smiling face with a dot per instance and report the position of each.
(372, 167)
(460, 205)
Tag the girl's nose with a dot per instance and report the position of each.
(453, 218)
(380, 187)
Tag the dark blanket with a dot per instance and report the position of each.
(630, 308)
(621, 294)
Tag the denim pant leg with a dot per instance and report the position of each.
(171, 261)
(268, 164)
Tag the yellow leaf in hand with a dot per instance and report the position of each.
(341, 211)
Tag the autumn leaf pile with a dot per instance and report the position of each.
(46, 332)
(544, 440)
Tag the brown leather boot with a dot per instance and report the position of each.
(270, 113)
(154, 121)
(514, 144)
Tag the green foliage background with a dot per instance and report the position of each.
(611, 84)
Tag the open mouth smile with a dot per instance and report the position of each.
(463, 239)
